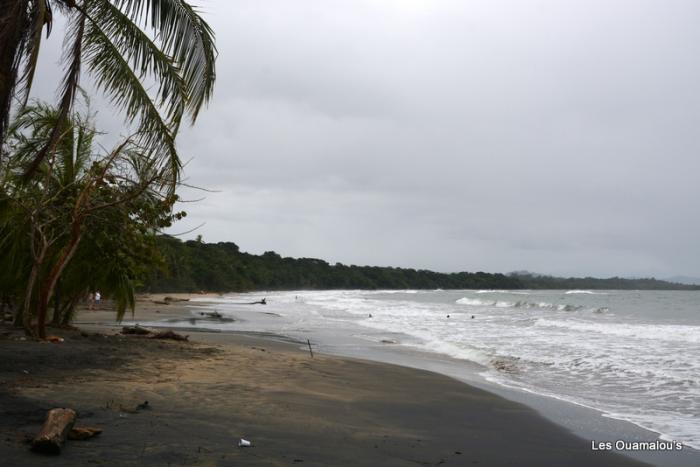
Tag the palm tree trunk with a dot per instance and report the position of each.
(70, 88)
(68, 310)
(56, 318)
(26, 314)
(12, 27)
(55, 273)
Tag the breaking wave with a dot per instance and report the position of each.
(511, 292)
(583, 292)
(527, 305)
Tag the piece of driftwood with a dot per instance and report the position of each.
(54, 432)
(170, 335)
(175, 299)
(310, 351)
(81, 433)
(161, 302)
(134, 409)
(211, 314)
(137, 330)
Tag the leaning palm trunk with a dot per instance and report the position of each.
(13, 27)
(70, 88)
(67, 311)
(50, 283)
(26, 313)
(56, 318)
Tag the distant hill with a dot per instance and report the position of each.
(687, 280)
(221, 267)
(538, 281)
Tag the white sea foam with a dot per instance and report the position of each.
(583, 292)
(509, 292)
(391, 292)
(656, 332)
(476, 302)
(525, 304)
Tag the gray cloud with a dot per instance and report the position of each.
(498, 135)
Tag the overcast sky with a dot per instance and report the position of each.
(555, 136)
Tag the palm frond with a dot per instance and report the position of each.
(117, 80)
(144, 56)
(186, 37)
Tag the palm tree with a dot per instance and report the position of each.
(101, 208)
(123, 44)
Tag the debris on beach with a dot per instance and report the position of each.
(161, 302)
(175, 299)
(55, 339)
(388, 341)
(135, 409)
(136, 330)
(508, 365)
(53, 434)
(211, 314)
(141, 331)
(143, 405)
(244, 443)
(81, 433)
(170, 335)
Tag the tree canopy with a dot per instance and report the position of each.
(125, 45)
(193, 266)
(86, 220)
(75, 218)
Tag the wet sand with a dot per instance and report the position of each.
(296, 410)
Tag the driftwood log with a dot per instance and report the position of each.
(137, 330)
(170, 335)
(54, 432)
(175, 299)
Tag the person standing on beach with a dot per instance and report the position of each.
(98, 297)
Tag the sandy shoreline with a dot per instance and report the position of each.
(297, 410)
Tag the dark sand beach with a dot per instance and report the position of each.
(204, 395)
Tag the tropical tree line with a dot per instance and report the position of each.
(195, 266)
(76, 217)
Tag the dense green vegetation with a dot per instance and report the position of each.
(76, 218)
(83, 222)
(535, 281)
(221, 267)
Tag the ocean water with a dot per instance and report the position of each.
(633, 355)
